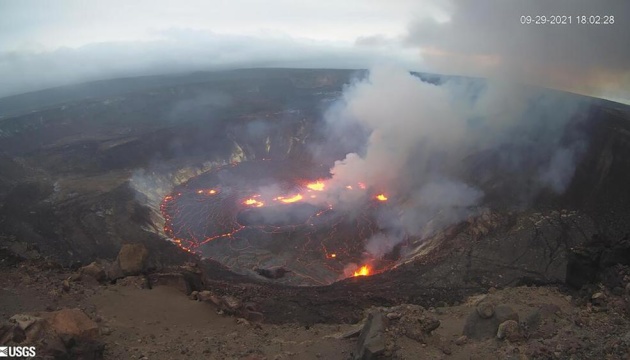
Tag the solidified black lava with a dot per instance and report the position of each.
(236, 215)
(279, 215)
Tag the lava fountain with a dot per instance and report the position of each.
(363, 271)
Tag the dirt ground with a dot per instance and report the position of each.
(164, 323)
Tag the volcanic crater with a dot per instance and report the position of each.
(182, 164)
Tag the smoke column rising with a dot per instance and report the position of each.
(422, 138)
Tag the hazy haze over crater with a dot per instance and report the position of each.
(45, 44)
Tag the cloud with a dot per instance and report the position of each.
(480, 38)
(178, 50)
(486, 38)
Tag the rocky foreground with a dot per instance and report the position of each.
(122, 309)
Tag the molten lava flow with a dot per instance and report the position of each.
(236, 224)
(209, 192)
(253, 202)
(363, 271)
(317, 186)
(292, 199)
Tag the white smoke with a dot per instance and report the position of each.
(422, 136)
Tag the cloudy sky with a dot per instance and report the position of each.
(49, 43)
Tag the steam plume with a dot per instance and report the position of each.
(433, 148)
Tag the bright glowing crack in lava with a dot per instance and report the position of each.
(233, 223)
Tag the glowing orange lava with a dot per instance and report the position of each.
(317, 186)
(209, 192)
(363, 271)
(381, 197)
(292, 199)
(253, 202)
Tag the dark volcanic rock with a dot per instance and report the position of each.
(275, 273)
(371, 343)
(589, 262)
(509, 330)
(478, 328)
(181, 282)
(113, 271)
(209, 297)
(63, 334)
(11, 333)
(139, 282)
(132, 258)
(72, 322)
(95, 270)
(485, 310)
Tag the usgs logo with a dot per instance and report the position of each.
(17, 351)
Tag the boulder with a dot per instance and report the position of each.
(175, 280)
(11, 333)
(65, 285)
(509, 330)
(209, 297)
(599, 299)
(113, 271)
(532, 320)
(132, 259)
(63, 334)
(428, 324)
(72, 322)
(485, 310)
(462, 340)
(371, 343)
(252, 312)
(140, 282)
(254, 316)
(24, 320)
(94, 270)
(479, 328)
(29, 328)
(231, 304)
